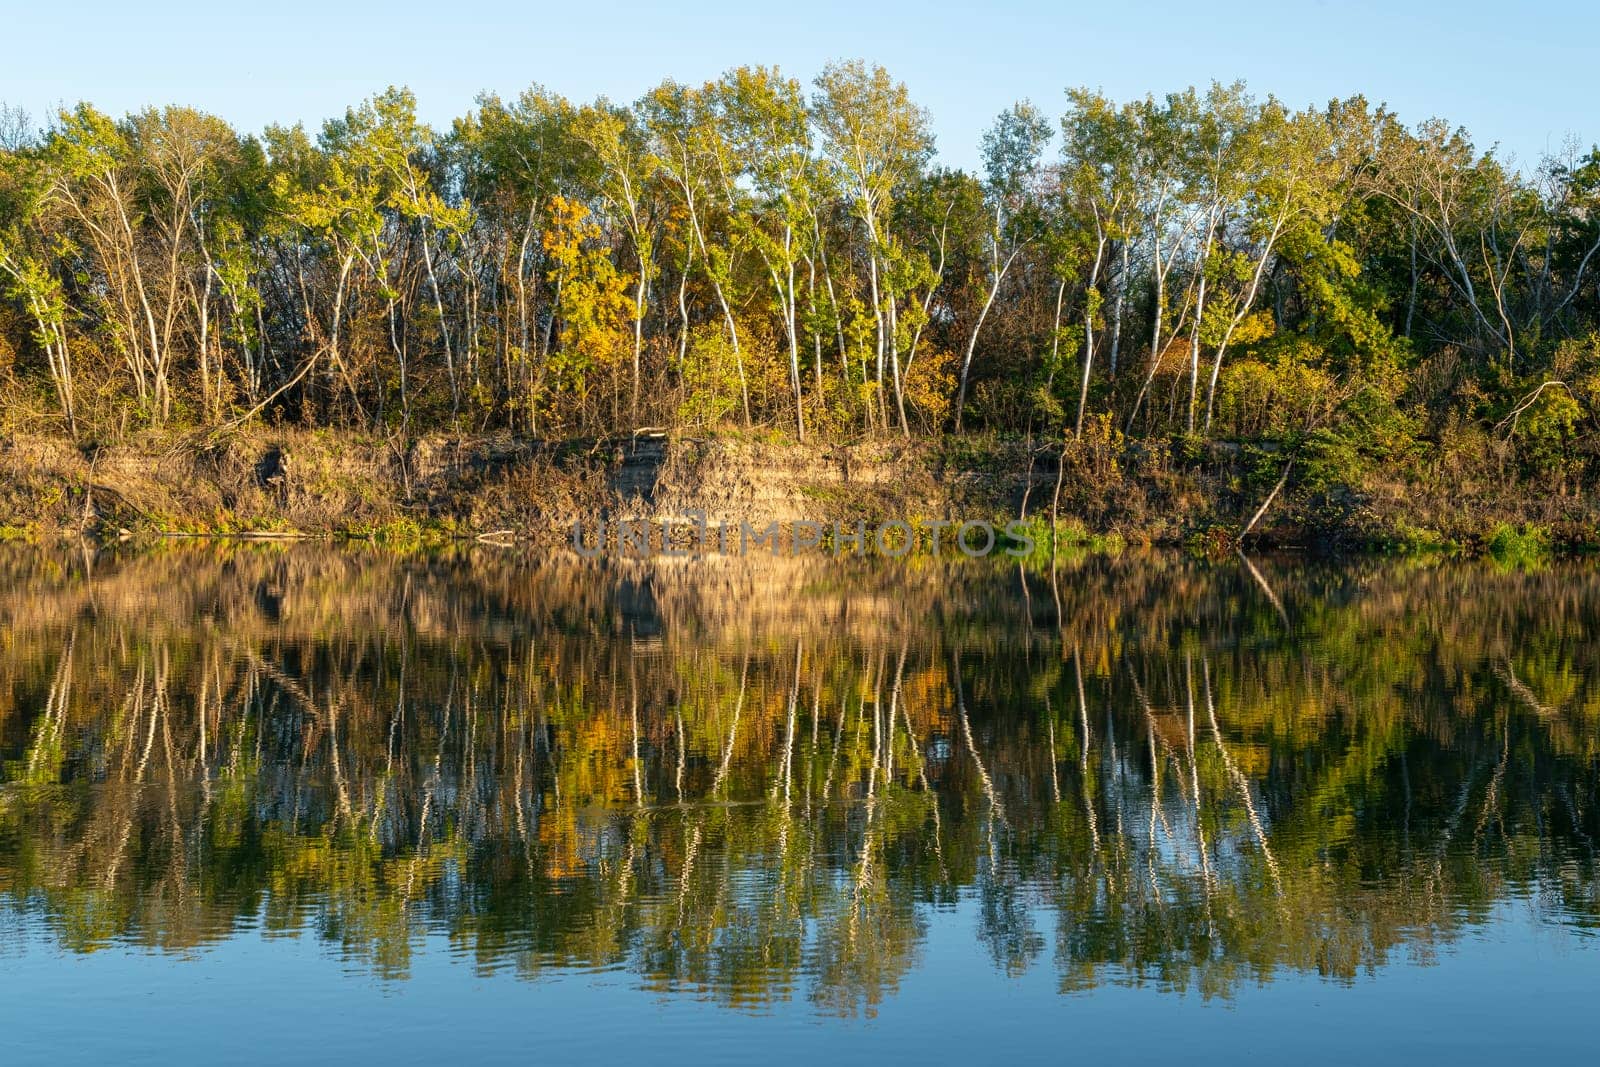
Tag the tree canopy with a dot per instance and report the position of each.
(753, 252)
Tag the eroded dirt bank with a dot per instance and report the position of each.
(315, 483)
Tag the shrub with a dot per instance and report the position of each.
(1526, 547)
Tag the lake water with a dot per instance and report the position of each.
(261, 803)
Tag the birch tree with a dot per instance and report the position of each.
(1098, 142)
(1012, 148)
(624, 168)
(874, 139)
(770, 134)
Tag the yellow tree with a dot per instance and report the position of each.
(625, 165)
(592, 302)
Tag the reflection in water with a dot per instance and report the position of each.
(764, 780)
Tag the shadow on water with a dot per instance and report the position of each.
(763, 780)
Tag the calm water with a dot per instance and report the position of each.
(258, 803)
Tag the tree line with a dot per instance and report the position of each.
(756, 252)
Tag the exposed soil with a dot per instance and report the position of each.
(286, 483)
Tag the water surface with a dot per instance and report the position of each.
(268, 802)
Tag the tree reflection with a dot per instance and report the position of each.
(756, 781)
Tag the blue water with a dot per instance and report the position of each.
(1515, 988)
(313, 806)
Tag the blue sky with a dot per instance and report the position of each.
(1521, 75)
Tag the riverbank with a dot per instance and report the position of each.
(288, 483)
